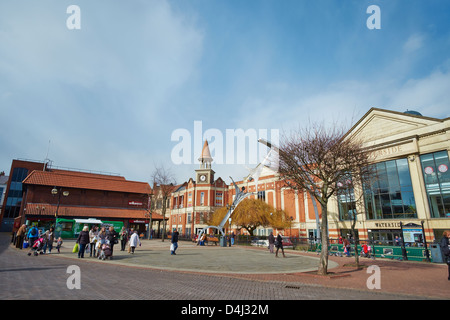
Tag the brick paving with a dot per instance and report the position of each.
(210, 273)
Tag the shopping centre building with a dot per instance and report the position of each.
(410, 154)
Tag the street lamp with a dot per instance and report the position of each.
(427, 253)
(229, 232)
(58, 192)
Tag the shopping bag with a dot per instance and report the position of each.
(75, 248)
(25, 244)
(172, 247)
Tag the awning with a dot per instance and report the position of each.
(88, 221)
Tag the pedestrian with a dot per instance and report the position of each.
(174, 242)
(102, 235)
(445, 249)
(134, 240)
(32, 235)
(49, 238)
(279, 245)
(20, 236)
(59, 243)
(130, 232)
(202, 240)
(346, 247)
(271, 242)
(93, 238)
(123, 236)
(112, 236)
(83, 240)
(232, 238)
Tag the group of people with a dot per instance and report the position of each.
(29, 235)
(276, 242)
(96, 240)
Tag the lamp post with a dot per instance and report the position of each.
(404, 254)
(427, 253)
(229, 232)
(58, 192)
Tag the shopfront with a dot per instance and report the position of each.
(409, 154)
(140, 225)
(42, 223)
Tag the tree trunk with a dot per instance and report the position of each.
(164, 219)
(323, 263)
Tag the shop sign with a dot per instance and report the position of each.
(138, 221)
(386, 152)
(387, 225)
(135, 203)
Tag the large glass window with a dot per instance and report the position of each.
(390, 196)
(14, 197)
(346, 199)
(435, 168)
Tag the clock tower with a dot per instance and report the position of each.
(205, 175)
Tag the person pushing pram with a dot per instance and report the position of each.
(37, 247)
(105, 251)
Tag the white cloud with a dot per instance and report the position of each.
(96, 92)
(414, 43)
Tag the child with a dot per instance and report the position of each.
(59, 243)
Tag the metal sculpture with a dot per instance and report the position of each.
(240, 195)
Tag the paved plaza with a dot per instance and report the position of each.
(210, 273)
(212, 259)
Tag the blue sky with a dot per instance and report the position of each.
(109, 96)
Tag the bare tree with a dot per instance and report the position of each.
(350, 190)
(163, 185)
(315, 159)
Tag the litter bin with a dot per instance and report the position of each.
(223, 241)
(436, 254)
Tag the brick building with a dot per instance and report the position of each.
(38, 193)
(299, 206)
(193, 201)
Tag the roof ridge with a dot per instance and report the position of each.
(86, 181)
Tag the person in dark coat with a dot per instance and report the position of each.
(279, 245)
(112, 236)
(174, 241)
(445, 250)
(83, 240)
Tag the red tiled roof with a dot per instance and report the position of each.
(45, 209)
(79, 180)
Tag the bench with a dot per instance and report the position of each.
(214, 240)
(209, 240)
